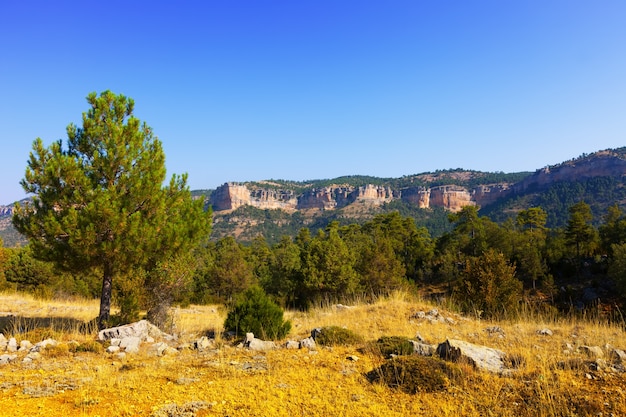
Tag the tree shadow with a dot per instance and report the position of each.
(14, 325)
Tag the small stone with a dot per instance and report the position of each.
(353, 358)
(113, 349)
(292, 344)
(12, 345)
(545, 332)
(592, 351)
(130, 344)
(25, 345)
(618, 356)
(308, 343)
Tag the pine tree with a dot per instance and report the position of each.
(100, 203)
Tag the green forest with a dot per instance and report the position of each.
(482, 267)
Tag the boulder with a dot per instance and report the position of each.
(253, 343)
(12, 345)
(594, 352)
(292, 344)
(545, 332)
(4, 359)
(203, 343)
(308, 343)
(423, 349)
(130, 344)
(482, 357)
(618, 356)
(142, 329)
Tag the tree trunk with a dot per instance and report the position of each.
(105, 298)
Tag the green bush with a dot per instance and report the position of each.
(335, 335)
(393, 345)
(255, 312)
(413, 374)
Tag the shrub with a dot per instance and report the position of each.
(413, 374)
(335, 335)
(393, 345)
(255, 312)
(87, 346)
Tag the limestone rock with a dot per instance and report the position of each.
(482, 357)
(545, 332)
(308, 343)
(253, 343)
(113, 349)
(25, 345)
(618, 356)
(292, 344)
(204, 343)
(142, 329)
(130, 344)
(592, 351)
(12, 345)
(423, 349)
(4, 359)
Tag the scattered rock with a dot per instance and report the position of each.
(253, 343)
(204, 343)
(4, 359)
(341, 307)
(292, 344)
(308, 343)
(545, 332)
(113, 349)
(495, 330)
(25, 345)
(482, 357)
(353, 358)
(130, 344)
(142, 329)
(3, 343)
(618, 356)
(12, 345)
(592, 351)
(423, 349)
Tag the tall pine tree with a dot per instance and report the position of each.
(100, 203)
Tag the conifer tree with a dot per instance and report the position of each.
(100, 203)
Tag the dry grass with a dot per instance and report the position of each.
(232, 381)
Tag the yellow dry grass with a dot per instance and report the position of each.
(233, 381)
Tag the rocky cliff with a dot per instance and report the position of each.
(451, 197)
(608, 163)
(433, 192)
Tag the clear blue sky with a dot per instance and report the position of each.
(251, 90)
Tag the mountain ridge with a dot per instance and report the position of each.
(358, 197)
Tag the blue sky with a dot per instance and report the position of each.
(251, 90)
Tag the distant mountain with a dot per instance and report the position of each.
(273, 208)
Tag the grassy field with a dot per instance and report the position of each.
(556, 379)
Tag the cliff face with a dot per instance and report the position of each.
(230, 196)
(601, 164)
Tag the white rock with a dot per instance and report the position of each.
(25, 345)
(308, 343)
(130, 344)
(482, 357)
(113, 349)
(12, 345)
